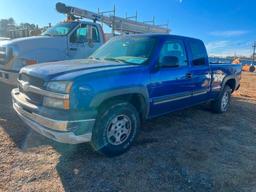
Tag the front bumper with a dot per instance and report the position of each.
(9, 77)
(52, 128)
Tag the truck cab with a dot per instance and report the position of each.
(64, 41)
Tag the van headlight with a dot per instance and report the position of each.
(59, 86)
(56, 103)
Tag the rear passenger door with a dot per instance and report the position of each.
(200, 70)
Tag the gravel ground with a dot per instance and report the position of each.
(190, 150)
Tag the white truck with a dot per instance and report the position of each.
(72, 39)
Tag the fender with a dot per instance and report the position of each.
(101, 97)
(229, 77)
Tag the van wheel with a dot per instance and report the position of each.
(116, 128)
(222, 104)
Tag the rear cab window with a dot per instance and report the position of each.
(198, 52)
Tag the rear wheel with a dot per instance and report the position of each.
(116, 128)
(222, 104)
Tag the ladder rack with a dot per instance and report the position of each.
(119, 24)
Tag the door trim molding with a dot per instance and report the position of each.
(179, 96)
(170, 98)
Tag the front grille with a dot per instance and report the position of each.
(5, 55)
(33, 98)
(37, 82)
(2, 49)
(2, 58)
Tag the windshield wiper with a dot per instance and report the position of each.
(118, 60)
(47, 34)
(95, 58)
(113, 59)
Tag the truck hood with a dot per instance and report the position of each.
(36, 42)
(70, 69)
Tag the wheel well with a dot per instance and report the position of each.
(137, 100)
(232, 84)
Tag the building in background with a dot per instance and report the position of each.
(9, 29)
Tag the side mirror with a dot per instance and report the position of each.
(169, 61)
(89, 36)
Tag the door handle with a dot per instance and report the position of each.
(189, 75)
(73, 49)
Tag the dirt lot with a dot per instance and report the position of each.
(191, 150)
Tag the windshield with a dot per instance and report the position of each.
(60, 29)
(133, 50)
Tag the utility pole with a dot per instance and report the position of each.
(253, 54)
(113, 25)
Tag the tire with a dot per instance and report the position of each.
(252, 68)
(116, 128)
(222, 103)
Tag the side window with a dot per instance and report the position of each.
(95, 34)
(173, 51)
(79, 35)
(61, 30)
(199, 54)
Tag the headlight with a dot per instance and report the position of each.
(59, 86)
(63, 87)
(56, 103)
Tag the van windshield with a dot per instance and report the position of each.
(61, 29)
(133, 49)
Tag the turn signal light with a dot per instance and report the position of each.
(66, 104)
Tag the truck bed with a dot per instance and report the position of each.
(227, 68)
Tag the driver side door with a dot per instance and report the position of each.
(171, 86)
(78, 45)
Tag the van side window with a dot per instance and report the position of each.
(176, 49)
(199, 54)
(79, 35)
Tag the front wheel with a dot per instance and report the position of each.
(116, 128)
(222, 103)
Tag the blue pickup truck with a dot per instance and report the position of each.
(105, 98)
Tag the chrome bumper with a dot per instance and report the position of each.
(8, 77)
(53, 129)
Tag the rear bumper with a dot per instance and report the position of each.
(64, 131)
(9, 77)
